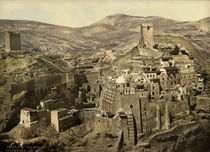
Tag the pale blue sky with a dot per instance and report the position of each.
(76, 13)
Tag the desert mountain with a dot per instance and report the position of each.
(115, 34)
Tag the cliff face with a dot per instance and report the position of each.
(192, 137)
(30, 93)
(10, 109)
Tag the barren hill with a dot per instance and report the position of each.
(115, 34)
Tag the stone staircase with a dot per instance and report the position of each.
(131, 133)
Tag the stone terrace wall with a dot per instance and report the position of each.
(42, 83)
(202, 103)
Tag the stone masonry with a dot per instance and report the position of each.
(12, 41)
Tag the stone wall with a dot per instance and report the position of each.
(30, 117)
(189, 79)
(103, 125)
(110, 125)
(202, 103)
(147, 37)
(42, 83)
(61, 120)
(12, 41)
(87, 115)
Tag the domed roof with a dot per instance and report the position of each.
(121, 79)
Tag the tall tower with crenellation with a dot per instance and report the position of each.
(12, 41)
(146, 36)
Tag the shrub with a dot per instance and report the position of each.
(49, 132)
(3, 81)
(28, 133)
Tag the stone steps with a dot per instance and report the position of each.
(131, 134)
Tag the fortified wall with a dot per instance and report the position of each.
(42, 83)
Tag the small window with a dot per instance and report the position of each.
(148, 27)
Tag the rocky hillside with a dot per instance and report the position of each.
(115, 34)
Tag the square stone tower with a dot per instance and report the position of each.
(146, 36)
(12, 41)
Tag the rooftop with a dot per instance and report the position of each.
(166, 58)
(147, 24)
(13, 32)
(28, 109)
(155, 80)
(121, 79)
(122, 115)
(60, 109)
(171, 68)
(151, 71)
(139, 86)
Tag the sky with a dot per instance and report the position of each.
(77, 13)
